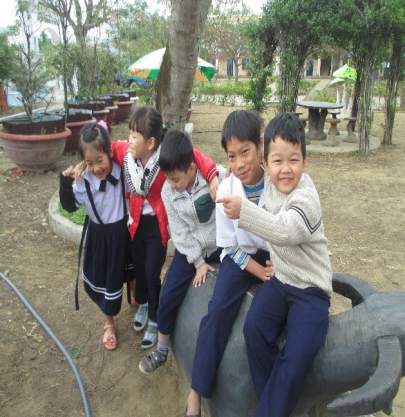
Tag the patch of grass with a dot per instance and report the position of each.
(76, 217)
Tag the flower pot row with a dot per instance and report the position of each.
(35, 143)
(112, 108)
(38, 142)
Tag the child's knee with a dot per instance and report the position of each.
(250, 327)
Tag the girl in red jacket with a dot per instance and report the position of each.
(147, 216)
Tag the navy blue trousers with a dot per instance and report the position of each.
(175, 287)
(278, 375)
(215, 327)
(148, 257)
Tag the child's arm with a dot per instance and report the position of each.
(292, 226)
(208, 170)
(66, 194)
(119, 149)
(226, 239)
(180, 234)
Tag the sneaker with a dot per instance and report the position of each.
(152, 361)
(150, 337)
(141, 317)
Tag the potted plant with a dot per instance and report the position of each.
(35, 140)
(111, 107)
(75, 120)
(122, 100)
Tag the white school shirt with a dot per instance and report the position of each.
(228, 232)
(108, 203)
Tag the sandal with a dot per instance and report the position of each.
(109, 337)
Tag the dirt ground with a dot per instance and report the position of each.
(364, 215)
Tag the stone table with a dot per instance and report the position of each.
(317, 111)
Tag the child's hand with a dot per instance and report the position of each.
(79, 169)
(269, 270)
(69, 172)
(201, 274)
(232, 206)
(214, 187)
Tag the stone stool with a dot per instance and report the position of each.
(351, 136)
(332, 140)
(334, 114)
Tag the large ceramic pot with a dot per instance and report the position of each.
(122, 100)
(111, 107)
(34, 152)
(76, 119)
(35, 144)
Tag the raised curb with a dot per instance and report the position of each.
(71, 231)
(60, 225)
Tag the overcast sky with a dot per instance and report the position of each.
(7, 14)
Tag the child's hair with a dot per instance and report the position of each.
(176, 153)
(148, 122)
(242, 125)
(95, 136)
(288, 127)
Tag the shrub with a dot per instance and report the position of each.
(76, 217)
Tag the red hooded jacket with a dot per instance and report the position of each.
(204, 164)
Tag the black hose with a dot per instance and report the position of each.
(48, 331)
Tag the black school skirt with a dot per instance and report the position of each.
(105, 264)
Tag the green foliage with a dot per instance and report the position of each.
(324, 95)
(227, 88)
(137, 32)
(299, 28)
(379, 88)
(146, 95)
(76, 217)
(262, 45)
(306, 86)
(28, 72)
(7, 56)
(225, 32)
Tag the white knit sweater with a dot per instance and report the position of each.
(292, 224)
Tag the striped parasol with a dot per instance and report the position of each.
(148, 67)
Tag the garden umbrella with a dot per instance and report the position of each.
(148, 66)
(346, 73)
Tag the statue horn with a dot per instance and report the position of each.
(380, 389)
(351, 287)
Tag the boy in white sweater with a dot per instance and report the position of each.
(297, 298)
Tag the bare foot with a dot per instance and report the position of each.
(193, 404)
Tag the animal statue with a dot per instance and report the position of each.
(357, 371)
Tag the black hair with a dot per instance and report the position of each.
(95, 136)
(148, 122)
(244, 125)
(288, 127)
(176, 152)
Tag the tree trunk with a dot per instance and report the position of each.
(291, 64)
(402, 95)
(236, 61)
(176, 76)
(3, 99)
(365, 102)
(392, 87)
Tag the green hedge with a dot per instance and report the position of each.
(227, 88)
(76, 217)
